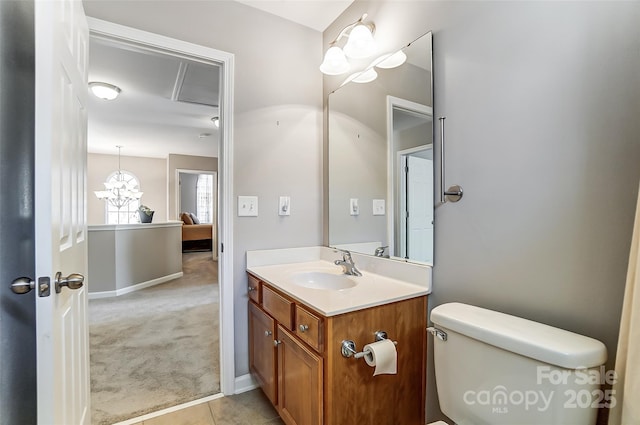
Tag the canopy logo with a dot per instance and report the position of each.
(499, 398)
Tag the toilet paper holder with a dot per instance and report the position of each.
(348, 348)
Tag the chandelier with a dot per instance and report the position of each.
(119, 192)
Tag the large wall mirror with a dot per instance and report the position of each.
(381, 160)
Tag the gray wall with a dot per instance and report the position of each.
(188, 191)
(132, 254)
(278, 125)
(542, 103)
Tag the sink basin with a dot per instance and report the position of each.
(322, 280)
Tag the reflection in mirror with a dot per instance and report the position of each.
(381, 161)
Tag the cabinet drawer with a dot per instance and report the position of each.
(278, 307)
(309, 328)
(254, 289)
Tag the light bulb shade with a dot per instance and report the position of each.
(335, 62)
(361, 44)
(366, 77)
(392, 60)
(104, 91)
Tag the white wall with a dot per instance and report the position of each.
(151, 173)
(542, 102)
(278, 125)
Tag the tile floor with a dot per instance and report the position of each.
(250, 408)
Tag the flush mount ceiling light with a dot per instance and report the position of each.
(216, 121)
(104, 91)
(360, 45)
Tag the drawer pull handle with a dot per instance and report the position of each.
(276, 342)
(303, 328)
(268, 333)
(252, 288)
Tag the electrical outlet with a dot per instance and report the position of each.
(284, 206)
(247, 206)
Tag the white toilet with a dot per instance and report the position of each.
(493, 368)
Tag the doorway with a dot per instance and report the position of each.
(410, 184)
(135, 39)
(197, 193)
(415, 195)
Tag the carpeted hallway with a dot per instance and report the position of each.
(157, 347)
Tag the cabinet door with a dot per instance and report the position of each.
(262, 352)
(299, 382)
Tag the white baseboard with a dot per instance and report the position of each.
(245, 383)
(133, 288)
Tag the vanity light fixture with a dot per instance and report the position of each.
(391, 60)
(360, 45)
(104, 91)
(216, 121)
(366, 76)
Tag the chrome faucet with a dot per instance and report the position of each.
(348, 266)
(379, 252)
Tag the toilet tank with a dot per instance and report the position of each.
(498, 369)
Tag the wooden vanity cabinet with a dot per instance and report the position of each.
(314, 383)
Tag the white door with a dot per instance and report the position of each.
(60, 211)
(420, 212)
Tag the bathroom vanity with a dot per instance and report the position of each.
(299, 315)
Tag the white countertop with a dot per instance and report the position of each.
(371, 290)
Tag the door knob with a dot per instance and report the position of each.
(73, 281)
(23, 285)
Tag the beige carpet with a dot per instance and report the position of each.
(157, 347)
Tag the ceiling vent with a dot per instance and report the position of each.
(197, 83)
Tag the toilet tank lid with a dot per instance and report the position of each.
(525, 337)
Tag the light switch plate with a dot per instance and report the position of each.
(247, 206)
(284, 206)
(354, 209)
(378, 207)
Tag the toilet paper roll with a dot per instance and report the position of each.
(383, 356)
